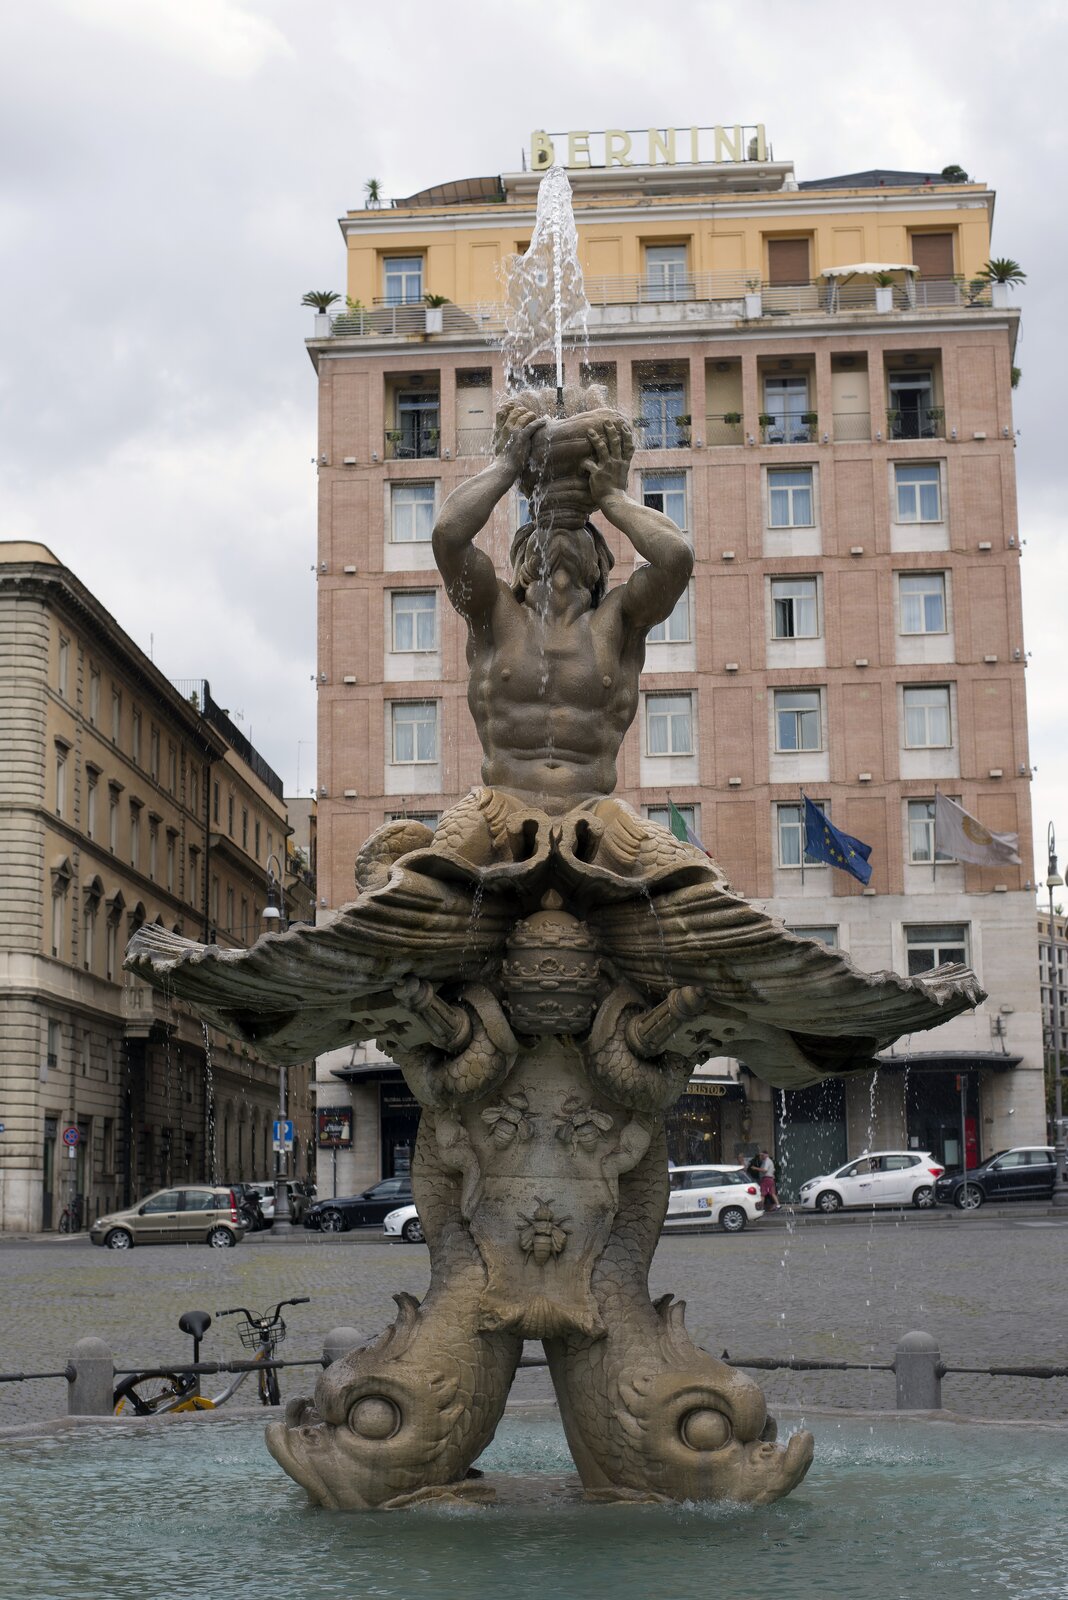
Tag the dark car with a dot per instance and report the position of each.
(1026, 1173)
(359, 1210)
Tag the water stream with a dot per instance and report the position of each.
(546, 297)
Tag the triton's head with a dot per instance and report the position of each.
(540, 552)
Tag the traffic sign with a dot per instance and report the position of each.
(283, 1134)
(71, 1136)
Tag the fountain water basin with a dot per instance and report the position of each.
(185, 1508)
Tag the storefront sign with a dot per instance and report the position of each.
(716, 1089)
(334, 1127)
(654, 147)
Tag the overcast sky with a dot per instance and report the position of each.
(172, 175)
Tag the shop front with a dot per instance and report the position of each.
(708, 1122)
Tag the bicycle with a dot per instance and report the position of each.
(70, 1218)
(152, 1393)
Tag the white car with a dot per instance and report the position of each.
(726, 1195)
(877, 1178)
(404, 1224)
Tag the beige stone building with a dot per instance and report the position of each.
(821, 385)
(124, 799)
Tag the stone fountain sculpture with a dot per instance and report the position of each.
(547, 968)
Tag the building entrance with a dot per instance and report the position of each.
(399, 1120)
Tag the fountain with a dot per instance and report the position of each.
(547, 968)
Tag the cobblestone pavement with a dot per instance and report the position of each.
(991, 1290)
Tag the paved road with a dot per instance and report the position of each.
(990, 1288)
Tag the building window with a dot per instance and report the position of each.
(113, 819)
(244, 827)
(135, 740)
(795, 608)
(912, 413)
(415, 731)
(172, 769)
(666, 277)
(791, 830)
(194, 790)
(215, 899)
(59, 904)
(256, 835)
(932, 944)
(669, 724)
(662, 815)
(923, 602)
(229, 908)
(63, 666)
(927, 719)
(403, 277)
(921, 816)
(153, 753)
(170, 861)
(660, 406)
(55, 1035)
(244, 919)
(215, 801)
(411, 512)
(94, 695)
(430, 819)
(89, 933)
(230, 813)
(666, 492)
(824, 933)
(91, 779)
(116, 715)
(153, 848)
(193, 895)
(414, 620)
(919, 493)
(111, 940)
(790, 498)
(61, 780)
(522, 510)
(107, 1155)
(135, 836)
(786, 403)
(676, 628)
(797, 720)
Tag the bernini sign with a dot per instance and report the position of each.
(667, 147)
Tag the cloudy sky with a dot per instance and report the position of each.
(172, 171)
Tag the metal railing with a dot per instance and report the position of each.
(725, 428)
(781, 429)
(697, 297)
(657, 433)
(920, 422)
(852, 426)
(412, 444)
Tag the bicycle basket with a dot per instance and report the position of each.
(251, 1339)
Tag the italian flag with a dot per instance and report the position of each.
(682, 830)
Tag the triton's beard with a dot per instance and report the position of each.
(571, 553)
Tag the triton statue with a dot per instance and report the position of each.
(547, 968)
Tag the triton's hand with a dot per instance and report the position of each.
(609, 464)
(516, 427)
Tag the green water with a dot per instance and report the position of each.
(182, 1508)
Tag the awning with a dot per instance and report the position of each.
(868, 268)
(950, 1061)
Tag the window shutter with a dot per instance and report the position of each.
(788, 261)
(933, 254)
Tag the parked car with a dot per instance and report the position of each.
(1027, 1172)
(877, 1178)
(360, 1210)
(299, 1194)
(725, 1195)
(404, 1224)
(198, 1214)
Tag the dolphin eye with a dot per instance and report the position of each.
(375, 1417)
(705, 1430)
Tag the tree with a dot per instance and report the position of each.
(373, 190)
(1002, 269)
(320, 299)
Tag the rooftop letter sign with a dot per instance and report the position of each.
(654, 147)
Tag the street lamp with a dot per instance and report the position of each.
(274, 921)
(1055, 881)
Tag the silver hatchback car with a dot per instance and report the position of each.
(198, 1214)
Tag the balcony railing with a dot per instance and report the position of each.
(661, 433)
(852, 426)
(699, 297)
(775, 429)
(919, 422)
(725, 428)
(412, 444)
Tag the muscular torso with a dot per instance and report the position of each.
(552, 699)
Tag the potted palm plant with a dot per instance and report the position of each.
(754, 301)
(321, 300)
(435, 319)
(884, 291)
(682, 428)
(1002, 273)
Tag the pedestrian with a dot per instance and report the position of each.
(767, 1182)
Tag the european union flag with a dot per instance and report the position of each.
(824, 841)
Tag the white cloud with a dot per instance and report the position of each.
(217, 36)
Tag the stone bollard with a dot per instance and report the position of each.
(918, 1368)
(338, 1343)
(91, 1390)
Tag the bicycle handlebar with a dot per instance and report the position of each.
(250, 1316)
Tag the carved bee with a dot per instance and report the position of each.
(542, 1235)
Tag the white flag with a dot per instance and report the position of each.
(959, 834)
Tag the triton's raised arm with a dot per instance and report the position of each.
(650, 594)
(470, 580)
